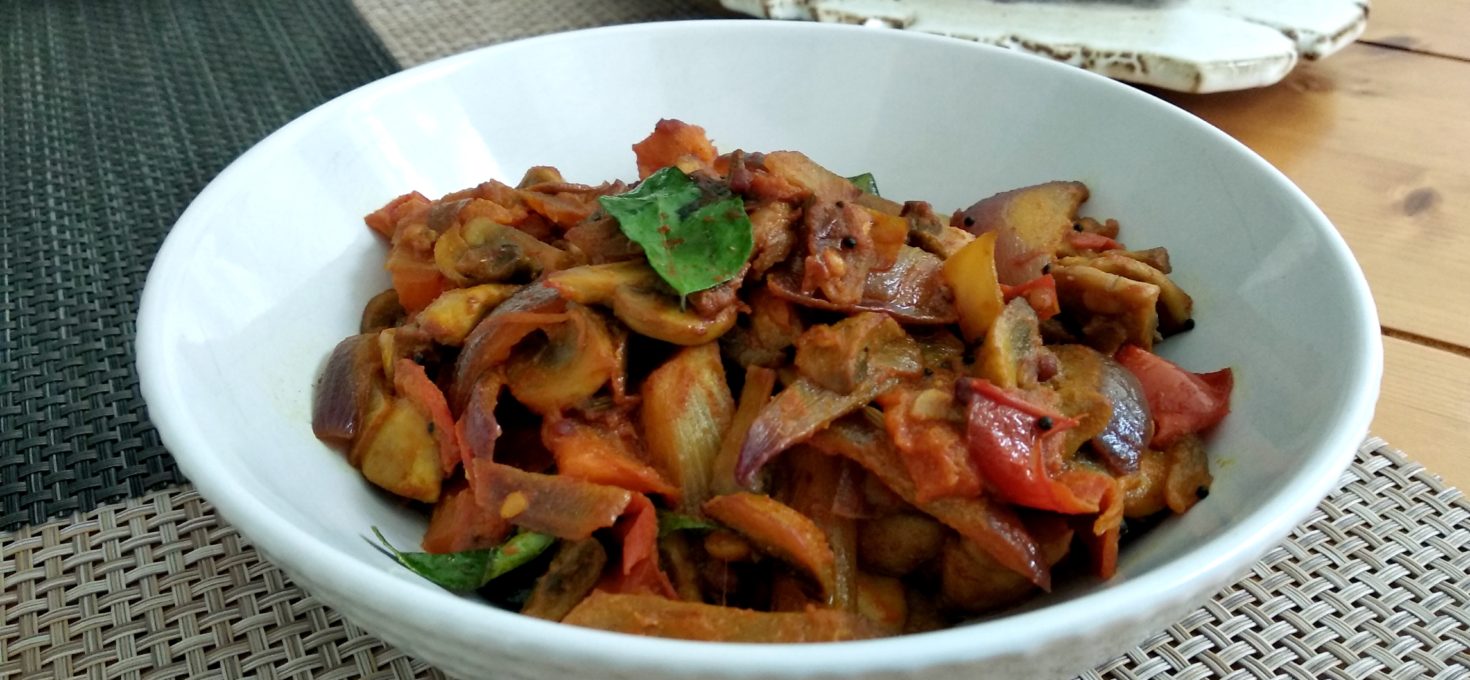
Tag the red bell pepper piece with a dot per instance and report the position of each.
(411, 381)
(550, 504)
(477, 429)
(603, 453)
(639, 572)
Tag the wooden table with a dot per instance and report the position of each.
(1379, 136)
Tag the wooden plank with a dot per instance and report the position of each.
(1431, 26)
(1424, 409)
(1379, 139)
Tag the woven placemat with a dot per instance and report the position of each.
(416, 32)
(112, 116)
(1374, 584)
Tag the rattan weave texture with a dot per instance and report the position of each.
(1373, 585)
(113, 115)
(416, 32)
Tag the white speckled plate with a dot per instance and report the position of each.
(1184, 45)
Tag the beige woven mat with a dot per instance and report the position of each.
(1374, 584)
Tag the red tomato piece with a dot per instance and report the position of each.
(1102, 540)
(1040, 293)
(1011, 440)
(385, 219)
(1181, 402)
(1086, 240)
(417, 282)
(459, 524)
(670, 142)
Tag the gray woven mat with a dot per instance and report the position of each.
(1374, 584)
(113, 115)
(416, 32)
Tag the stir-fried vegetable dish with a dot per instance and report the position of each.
(749, 399)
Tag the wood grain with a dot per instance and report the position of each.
(1424, 410)
(1379, 138)
(1431, 26)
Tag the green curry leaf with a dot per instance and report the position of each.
(520, 549)
(865, 183)
(670, 522)
(694, 237)
(471, 569)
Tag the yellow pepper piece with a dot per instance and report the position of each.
(970, 273)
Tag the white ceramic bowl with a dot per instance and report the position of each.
(271, 264)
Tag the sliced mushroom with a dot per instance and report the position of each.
(658, 316)
(577, 357)
(1175, 307)
(452, 315)
(1112, 309)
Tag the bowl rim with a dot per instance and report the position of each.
(425, 606)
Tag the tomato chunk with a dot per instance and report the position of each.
(1040, 293)
(1086, 240)
(1181, 402)
(385, 219)
(1106, 529)
(671, 142)
(1016, 444)
(417, 281)
(459, 524)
